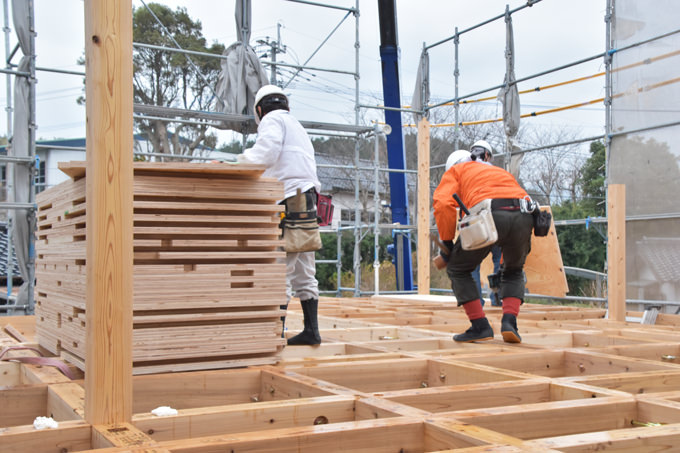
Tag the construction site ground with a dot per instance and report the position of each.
(387, 378)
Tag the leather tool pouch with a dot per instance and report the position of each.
(300, 225)
(324, 209)
(477, 229)
(542, 221)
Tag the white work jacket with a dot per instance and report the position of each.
(285, 148)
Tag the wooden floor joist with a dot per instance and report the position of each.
(577, 383)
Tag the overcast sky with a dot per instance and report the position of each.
(547, 35)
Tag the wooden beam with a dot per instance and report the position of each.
(550, 419)
(238, 418)
(108, 52)
(120, 435)
(10, 373)
(616, 251)
(379, 436)
(22, 404)
(66, 401)
(423, 223)
(70, 436)
(656, 438)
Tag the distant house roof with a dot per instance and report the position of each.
(70, 142)
(662, 255)
(344, 179)
(80, 143)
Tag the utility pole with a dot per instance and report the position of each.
(275, 47)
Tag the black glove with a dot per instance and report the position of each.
(443, 254)
(494, 281)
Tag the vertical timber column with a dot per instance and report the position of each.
(616, 251)
(108, 88)
(424, 204)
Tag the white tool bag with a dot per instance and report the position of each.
(477, 229)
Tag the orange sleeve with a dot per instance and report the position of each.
(473, 182)
(445, 214)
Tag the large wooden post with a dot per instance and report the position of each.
(423, 207)
(616, 251)
(108, 368)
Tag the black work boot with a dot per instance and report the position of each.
(509, 328)
(310, 334)
(480, 330)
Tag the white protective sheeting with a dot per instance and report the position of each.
(242, 74)
(645, 94)
(509, 97)
(421, 93)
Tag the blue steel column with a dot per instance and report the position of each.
(396, 157)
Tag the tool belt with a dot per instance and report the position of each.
(477, 229)
(505, 204)
(299, 223)
(542, 219)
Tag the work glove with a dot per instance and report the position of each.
(444, 255)
(449, 245)
(241, 158)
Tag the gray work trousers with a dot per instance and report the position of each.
(514, 236)
(301, 276)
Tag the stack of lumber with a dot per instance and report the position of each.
(208, 279)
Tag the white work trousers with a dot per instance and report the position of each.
(300, 276)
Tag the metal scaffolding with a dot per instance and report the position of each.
(610, 134)
(26, 207)
(150, 112)
(356, 131)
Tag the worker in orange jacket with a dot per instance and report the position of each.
(475, 182)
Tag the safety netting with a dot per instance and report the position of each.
(645, 147)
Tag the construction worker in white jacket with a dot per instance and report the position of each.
(284, 147)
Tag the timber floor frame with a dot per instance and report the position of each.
(387, 378)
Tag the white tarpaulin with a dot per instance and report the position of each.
(644, 153)
(509, 97)
(23, 220)
(242, 74)
(421, 93)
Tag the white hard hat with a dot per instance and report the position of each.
(479, 149)
(458, 157)
(263, 92)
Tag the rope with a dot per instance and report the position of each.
(568, 82)
(526, 115)
(558, 109)
(42, 361)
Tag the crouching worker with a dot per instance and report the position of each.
(284, 147)
(480, 186)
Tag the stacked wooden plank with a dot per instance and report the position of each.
(208, 279)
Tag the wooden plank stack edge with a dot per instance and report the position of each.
(208, 279)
